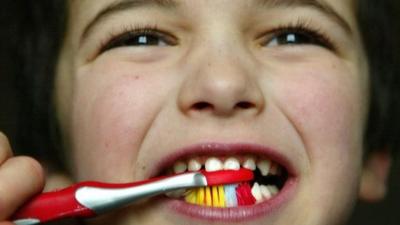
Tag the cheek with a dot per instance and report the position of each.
(324, 110)
(325, 105)
(329, 119)
(110, 116)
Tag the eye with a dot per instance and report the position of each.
(141, 37)
(297, 36)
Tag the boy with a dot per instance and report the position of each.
(143, 87)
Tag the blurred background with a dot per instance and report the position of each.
(384, 213)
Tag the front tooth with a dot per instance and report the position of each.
(213, 164)
(256, 192)
(180, 167)
(194, 165)
(273, 189)
(231, 163)
(249, 163)
(264, 166)
(265, 192)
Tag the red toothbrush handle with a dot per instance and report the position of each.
(54, 205)
(60, 204)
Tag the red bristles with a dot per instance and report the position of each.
(244, 196)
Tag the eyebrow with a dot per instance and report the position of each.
(319, 5)
(123, 5)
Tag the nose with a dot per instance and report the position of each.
(221, 85)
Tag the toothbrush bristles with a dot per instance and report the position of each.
(221, 196)
(244, 196)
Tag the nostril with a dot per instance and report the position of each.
(202, 106)
(244, 105)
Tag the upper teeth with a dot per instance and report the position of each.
(231, 163)
(249, 163)
(265, 166)
(213, 164)
(180, 167)
(194, 165)
(274, 170)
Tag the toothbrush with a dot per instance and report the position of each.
(89, 199)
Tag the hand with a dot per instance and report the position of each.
(20, 178)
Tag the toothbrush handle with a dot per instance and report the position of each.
(52, 205)
(63, 203)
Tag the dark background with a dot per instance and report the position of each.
(383, 213)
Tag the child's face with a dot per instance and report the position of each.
(147, 83)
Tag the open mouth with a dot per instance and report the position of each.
(273, 182)
(269, 178)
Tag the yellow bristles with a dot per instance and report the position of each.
(221, 196)
(208, 197)
(200, 196)
(215, 199)
(191, 197)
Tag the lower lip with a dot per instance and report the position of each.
(237, 214)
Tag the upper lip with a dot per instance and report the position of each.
(222, 149)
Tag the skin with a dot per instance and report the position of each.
(125, 109)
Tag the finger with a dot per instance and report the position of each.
(20, 178)
(5, 148)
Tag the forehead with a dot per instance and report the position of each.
(89, 7)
